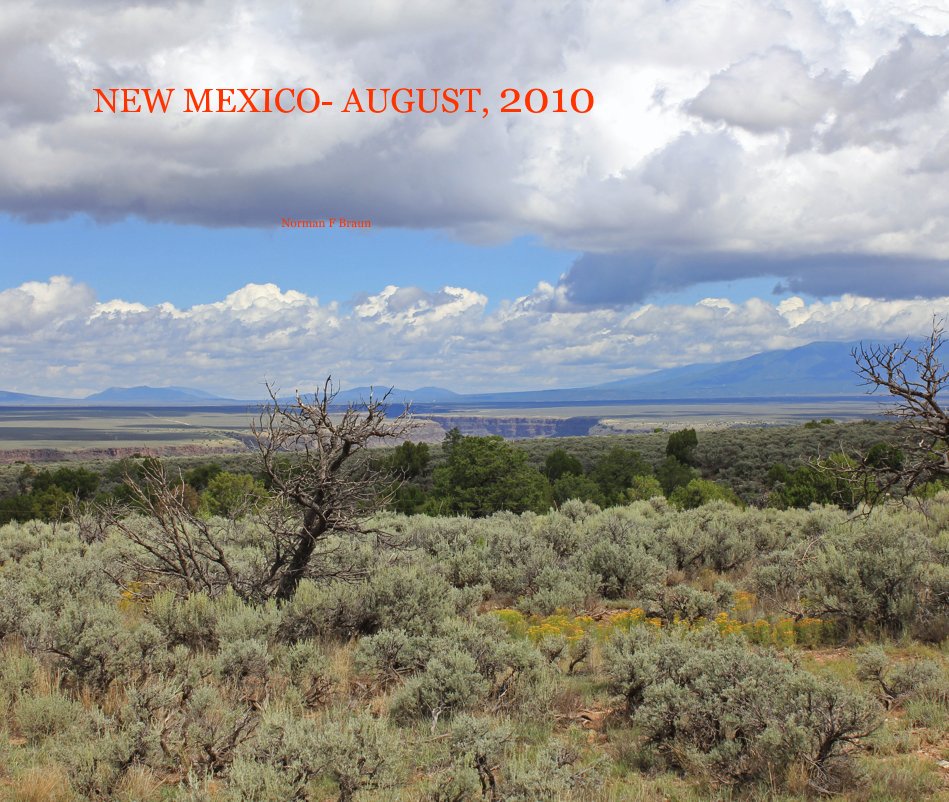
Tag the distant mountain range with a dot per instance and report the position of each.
(819, 369)
(121, 396)
(423, 395)
(153, 395)
(24, 399)
(816, 369)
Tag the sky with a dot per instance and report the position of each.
(753, 174)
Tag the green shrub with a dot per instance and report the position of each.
(88, 640)
(897, 682)
(361, 752)
(713, 705)
(253, 781)
(17, 675)
(232, 494)
(191, 621)
(927, 712)
(39, 717)
(477, 746)
(682, 445)
(882, 574)
(391, 653)
(308, 670)
(280, 760)
(408, 598)
(702, 491)
(483, 475)
(685, 603)
(574, 487)
(622, 571)
(336, 609)
(449, 683)
(242, 660)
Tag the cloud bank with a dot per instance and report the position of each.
(755, 137)
(58, 338)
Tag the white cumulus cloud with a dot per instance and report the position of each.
(62, 341)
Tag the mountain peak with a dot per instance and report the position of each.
(151, 395)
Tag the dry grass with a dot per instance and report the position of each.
(40, 784)
(139, 785)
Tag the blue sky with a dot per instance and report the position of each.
(751, 176)
(187, 265)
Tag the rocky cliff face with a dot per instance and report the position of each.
(431, 429)
(515, 428)
(84, 454)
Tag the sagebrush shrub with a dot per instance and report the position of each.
(897, 682)
(330, 610)
(449, 683)
(39, 717)
(280, 759)
(361, 751)
(714, 705)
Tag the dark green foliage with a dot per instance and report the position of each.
(409, 460)
(682, 445)
(615, 471)
(199, 476)
(830, 481)
(50, 504)
(76, 481)
(409, 499)
(483, 475)
(232, 494)
(884, 456)
(559, 463)
(409, 465)
(572, 485)
(701, 491)
(738, 457)
(672, 474)
(47, 495)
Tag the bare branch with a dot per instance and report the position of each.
(918, 381)
(310, 450)
(323, 488)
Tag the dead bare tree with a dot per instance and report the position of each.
(918, 379)
(176, 547)
(310, 456)
(321, 490)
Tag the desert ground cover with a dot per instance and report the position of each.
(733, 614)
(68, 432)
(636, 652)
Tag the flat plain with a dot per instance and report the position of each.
(68, 430)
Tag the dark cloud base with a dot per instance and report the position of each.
(616, 280)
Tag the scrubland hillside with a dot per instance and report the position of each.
(636, 652)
